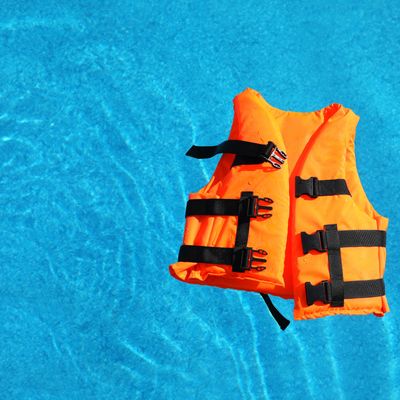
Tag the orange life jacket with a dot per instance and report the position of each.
(285, 213)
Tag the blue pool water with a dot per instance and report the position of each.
(99, 102)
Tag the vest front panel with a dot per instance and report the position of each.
(251, 123)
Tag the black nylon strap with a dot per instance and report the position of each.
(248, 205)
(314, 187)
(240, 147)
(240, 257)
(212, 207)
(279, 318)
(331, 240)
(335, 265)
(362, 238)
(352, 290)
(246, 152)
(242, 233)
(347, 238)
(205, 254)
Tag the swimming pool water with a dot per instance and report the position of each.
(99, 102)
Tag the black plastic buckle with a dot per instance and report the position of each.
(275, 156)
(243, 258)
(315, 241)
(250, 206)
(308, 186)
(321, 292)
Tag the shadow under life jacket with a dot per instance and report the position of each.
(285, 214)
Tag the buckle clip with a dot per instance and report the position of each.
(315, 241)
(276, 156)
(312, 185)
(251, 206)
(320, 292)
(243, 258)
(323, 245)
(308, 186)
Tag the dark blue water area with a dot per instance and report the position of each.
(99, 100)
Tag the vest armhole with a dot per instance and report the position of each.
(354, 181)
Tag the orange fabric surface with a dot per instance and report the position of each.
(321, 144)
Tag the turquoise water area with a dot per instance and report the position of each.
(99, 102)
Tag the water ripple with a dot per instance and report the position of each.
(255, 343)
